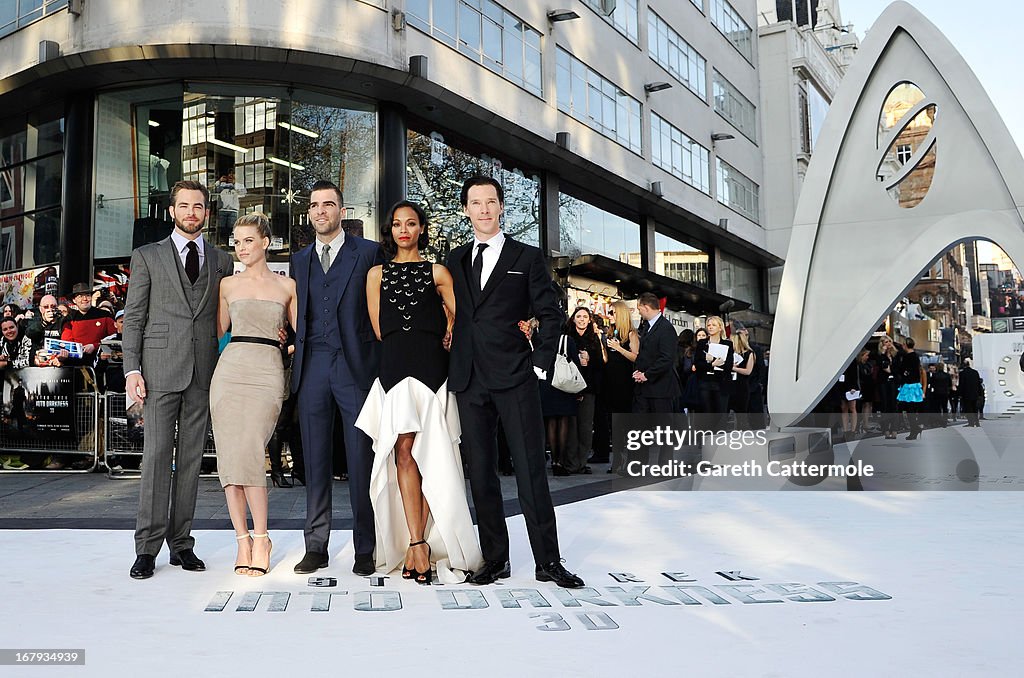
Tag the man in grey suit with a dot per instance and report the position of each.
(170, 350)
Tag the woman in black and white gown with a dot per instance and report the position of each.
(416, 485)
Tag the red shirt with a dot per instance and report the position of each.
(90, 327)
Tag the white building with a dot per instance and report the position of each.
(637, 132)
(804, 49)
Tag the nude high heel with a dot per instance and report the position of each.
(260, 571)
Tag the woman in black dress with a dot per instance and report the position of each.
(743, 365)
(560, 409)
(714, 374)
(886, 385)
(618, 376)
(416, 484)
(592, 359)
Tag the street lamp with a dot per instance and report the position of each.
(652, 87)
(556, 15)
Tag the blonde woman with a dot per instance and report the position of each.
(887, 386)
(714, 371)
(623, 346)
(248, 386)
(739, 399)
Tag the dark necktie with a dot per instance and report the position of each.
(478, 267)
(192, 262)
(643, 329)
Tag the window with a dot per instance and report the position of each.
(435, 172)
(812, 107)
(737, 191)
(676, 55)
(31, 175)
(740, 279)
(586, 229)
(485, 32)
(17, 13)
(255, 151)
(625, 17)
(678, 154)
(734, 107)
(733, 27)
(903, 153)
(590, 98)
(675, 259)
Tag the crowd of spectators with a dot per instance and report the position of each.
(92, 322)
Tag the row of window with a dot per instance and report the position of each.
(488, 33)
(31, 178)
(626, 16)
(598, 102)
(17, 13)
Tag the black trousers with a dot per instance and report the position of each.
(520, 413)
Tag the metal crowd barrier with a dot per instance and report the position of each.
(122, 454)
(87, 430)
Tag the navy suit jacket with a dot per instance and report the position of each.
(361, 348)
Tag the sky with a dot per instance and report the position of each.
(987, 35)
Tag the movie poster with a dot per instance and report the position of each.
(38, 404)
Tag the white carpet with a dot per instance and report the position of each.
(949, 561)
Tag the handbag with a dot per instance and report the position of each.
(566, 376)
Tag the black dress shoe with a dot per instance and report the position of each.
(554, 571)
(188, 560)
(311, 562)
(143, 567)
(492, 571)
(364, 565)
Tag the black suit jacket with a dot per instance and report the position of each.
(486, 332)
(656, 359)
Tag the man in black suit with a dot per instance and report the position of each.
(655, 379)
(494, 373)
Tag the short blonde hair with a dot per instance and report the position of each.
(721, 325)
(257, 220)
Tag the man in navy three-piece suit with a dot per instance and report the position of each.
(336, 362)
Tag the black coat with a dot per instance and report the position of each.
(656, 359)
(486, 331)
(970, 384)
(704, 370)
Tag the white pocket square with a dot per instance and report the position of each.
(517, 272)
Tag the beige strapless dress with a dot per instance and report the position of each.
(247, 392)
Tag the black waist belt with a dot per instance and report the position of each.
(255, 340)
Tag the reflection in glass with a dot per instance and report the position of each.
(586, 229)
(906, 145)
(741, 280)
(912, 190)
(901, 99)
(436, 171)
(254, 153)
(31, 188)
(677, 260)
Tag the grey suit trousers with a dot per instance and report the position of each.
(155, 521)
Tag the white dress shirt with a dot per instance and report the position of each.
(181, 245)
(336, 245)
(490, 254)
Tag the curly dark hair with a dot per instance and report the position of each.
(387, 238)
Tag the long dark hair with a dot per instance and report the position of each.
(589, 337)
(387, 238)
